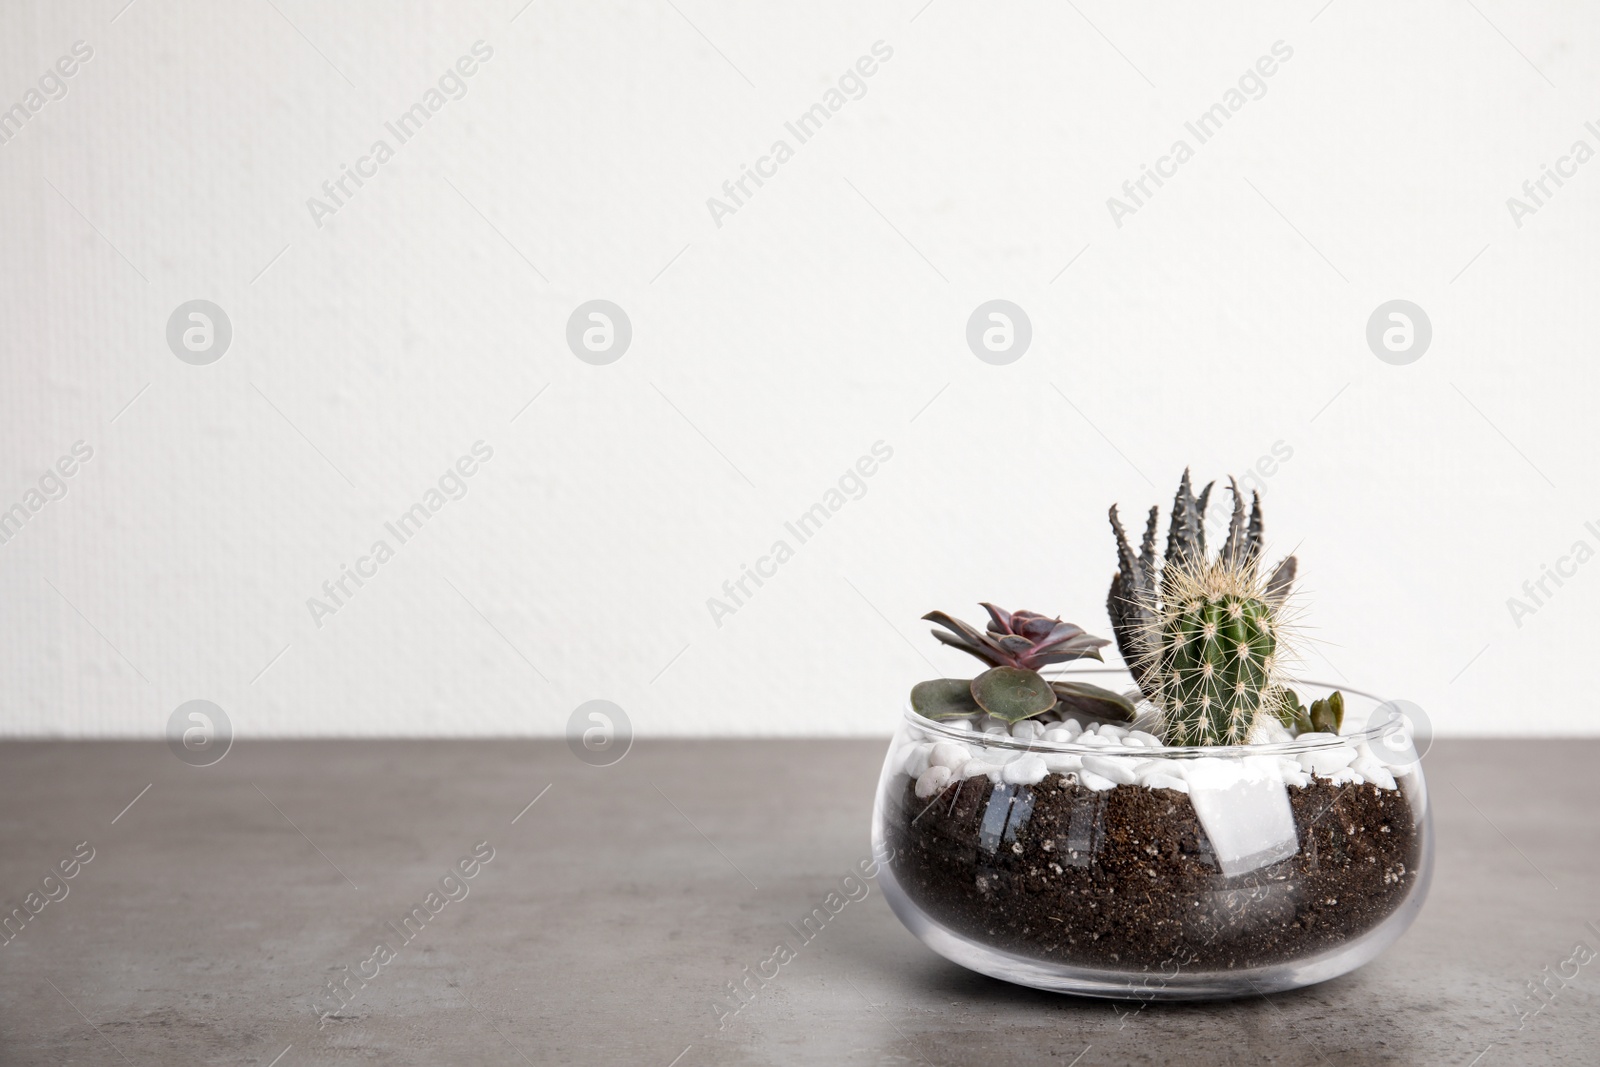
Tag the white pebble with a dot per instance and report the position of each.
(960, 724)
(1087, 738)
(1095, 782)
(1147, 739)
(932, 781)
(1026, 730)
(1327, 761)
(1029, 770)
(1062, 763)
(1365, 766)
(917, 759)
(948, 754)
(1119, 770)
(1056, 733)
(1132, 742)
(1073, 725)
(1144, 769)
(1381, 778)
(1116, 733)
(1345, 777)
(1316, 737)
(974, 767)
(1166, 781)
(995, 731)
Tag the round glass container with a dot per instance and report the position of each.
(1112, 866)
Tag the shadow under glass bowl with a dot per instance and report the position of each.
(1155, 873)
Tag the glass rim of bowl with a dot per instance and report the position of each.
(1368, 733)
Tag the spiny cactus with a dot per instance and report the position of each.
(1216, 647)
(1202, 636)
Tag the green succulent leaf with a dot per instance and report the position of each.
(1327, 715)
(1081, 698)
(1285, 703)
(943, 698)
(1013, 693)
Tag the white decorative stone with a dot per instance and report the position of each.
(1267, 731)
(1056, 733)
(948, 754)
(1115, 733)
(933, 780)
(1324, 762)
(1119, 769)
(1088, 738)
(1147, 739)
(1145, 769)
(1166, 781)
(1244, 808)
(1365, 766)
(1095, 782)
(917, 759)
(1072, 725)
(1028, 770)
(1062, 763)
(974, 767)
(1027, 730)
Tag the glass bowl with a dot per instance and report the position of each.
(1110, 868)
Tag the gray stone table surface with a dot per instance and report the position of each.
(613, 912)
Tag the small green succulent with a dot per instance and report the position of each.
(1015, 645)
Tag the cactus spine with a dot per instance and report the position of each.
(1216, 651)
(1202, 636)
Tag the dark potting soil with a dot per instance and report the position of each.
(1125, 878)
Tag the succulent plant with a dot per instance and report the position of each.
(1014, 646)
(1327, 714)
(1023, 639)
(1204, 637)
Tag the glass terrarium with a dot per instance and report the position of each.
(1102, 862)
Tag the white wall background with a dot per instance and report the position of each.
(1226, 316)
